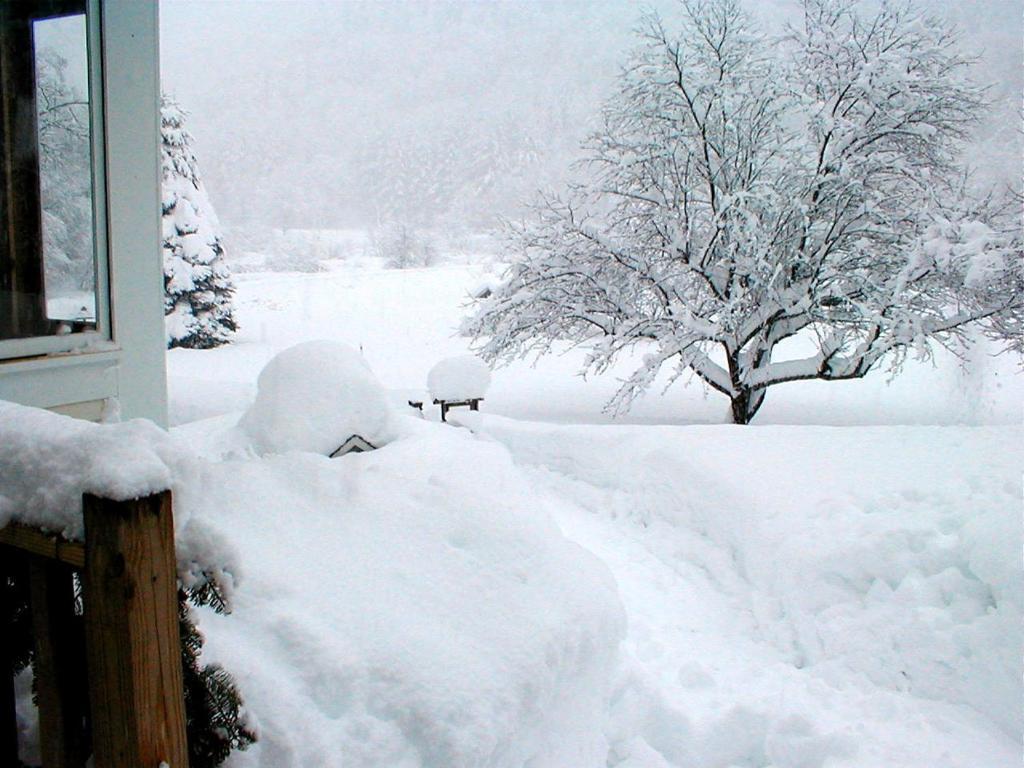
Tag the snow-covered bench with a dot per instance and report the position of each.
(458, 382)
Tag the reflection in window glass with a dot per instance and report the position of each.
(65, 172)
(48, 275)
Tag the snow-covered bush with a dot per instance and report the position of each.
(402, 247)
(299, 250)
(259, 248)
(313, 397)
(291, 261)
(197, 286)
(465, 377)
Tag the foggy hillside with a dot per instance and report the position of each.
(442, 113)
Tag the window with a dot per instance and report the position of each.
(53, 271)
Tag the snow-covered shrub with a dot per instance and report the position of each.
(299, 250)
(402, 247)
(313, 397)
(258, 248)
(465, 377)
(198, 290)
(215, 720)
(291, 261)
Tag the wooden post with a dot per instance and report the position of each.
(131, 633)
(57, 665)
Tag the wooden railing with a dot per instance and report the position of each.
(135, 706)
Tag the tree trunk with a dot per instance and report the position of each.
(745, 405)
(739, 409)
(746, 401)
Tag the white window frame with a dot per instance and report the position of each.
(100, 337)
(129, 362)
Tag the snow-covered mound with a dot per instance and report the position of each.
(399, 613)
(464, 377)
(313, 397)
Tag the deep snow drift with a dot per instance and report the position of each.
(796, 597)
(802, 597)
(413, 606)
(393, 609)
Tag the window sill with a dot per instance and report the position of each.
(60, 379)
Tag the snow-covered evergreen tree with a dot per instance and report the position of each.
(198, 290)
(754, 196)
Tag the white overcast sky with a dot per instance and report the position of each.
(298, 83)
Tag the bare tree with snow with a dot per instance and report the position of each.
(746, 190)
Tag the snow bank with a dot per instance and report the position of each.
(47, 461)
(314, 396)
(459, 378)
(401, 611)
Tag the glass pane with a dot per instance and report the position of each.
(65, 171)
(48, 275)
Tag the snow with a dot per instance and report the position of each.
(48, 461)
(396, 612)
(404, 321)
(796, 596)
(71, 305)
(313, 397)
(801, 596)
(465, 377)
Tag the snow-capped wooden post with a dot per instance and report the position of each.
(131, 633)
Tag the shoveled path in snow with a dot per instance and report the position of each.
(800, 597)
